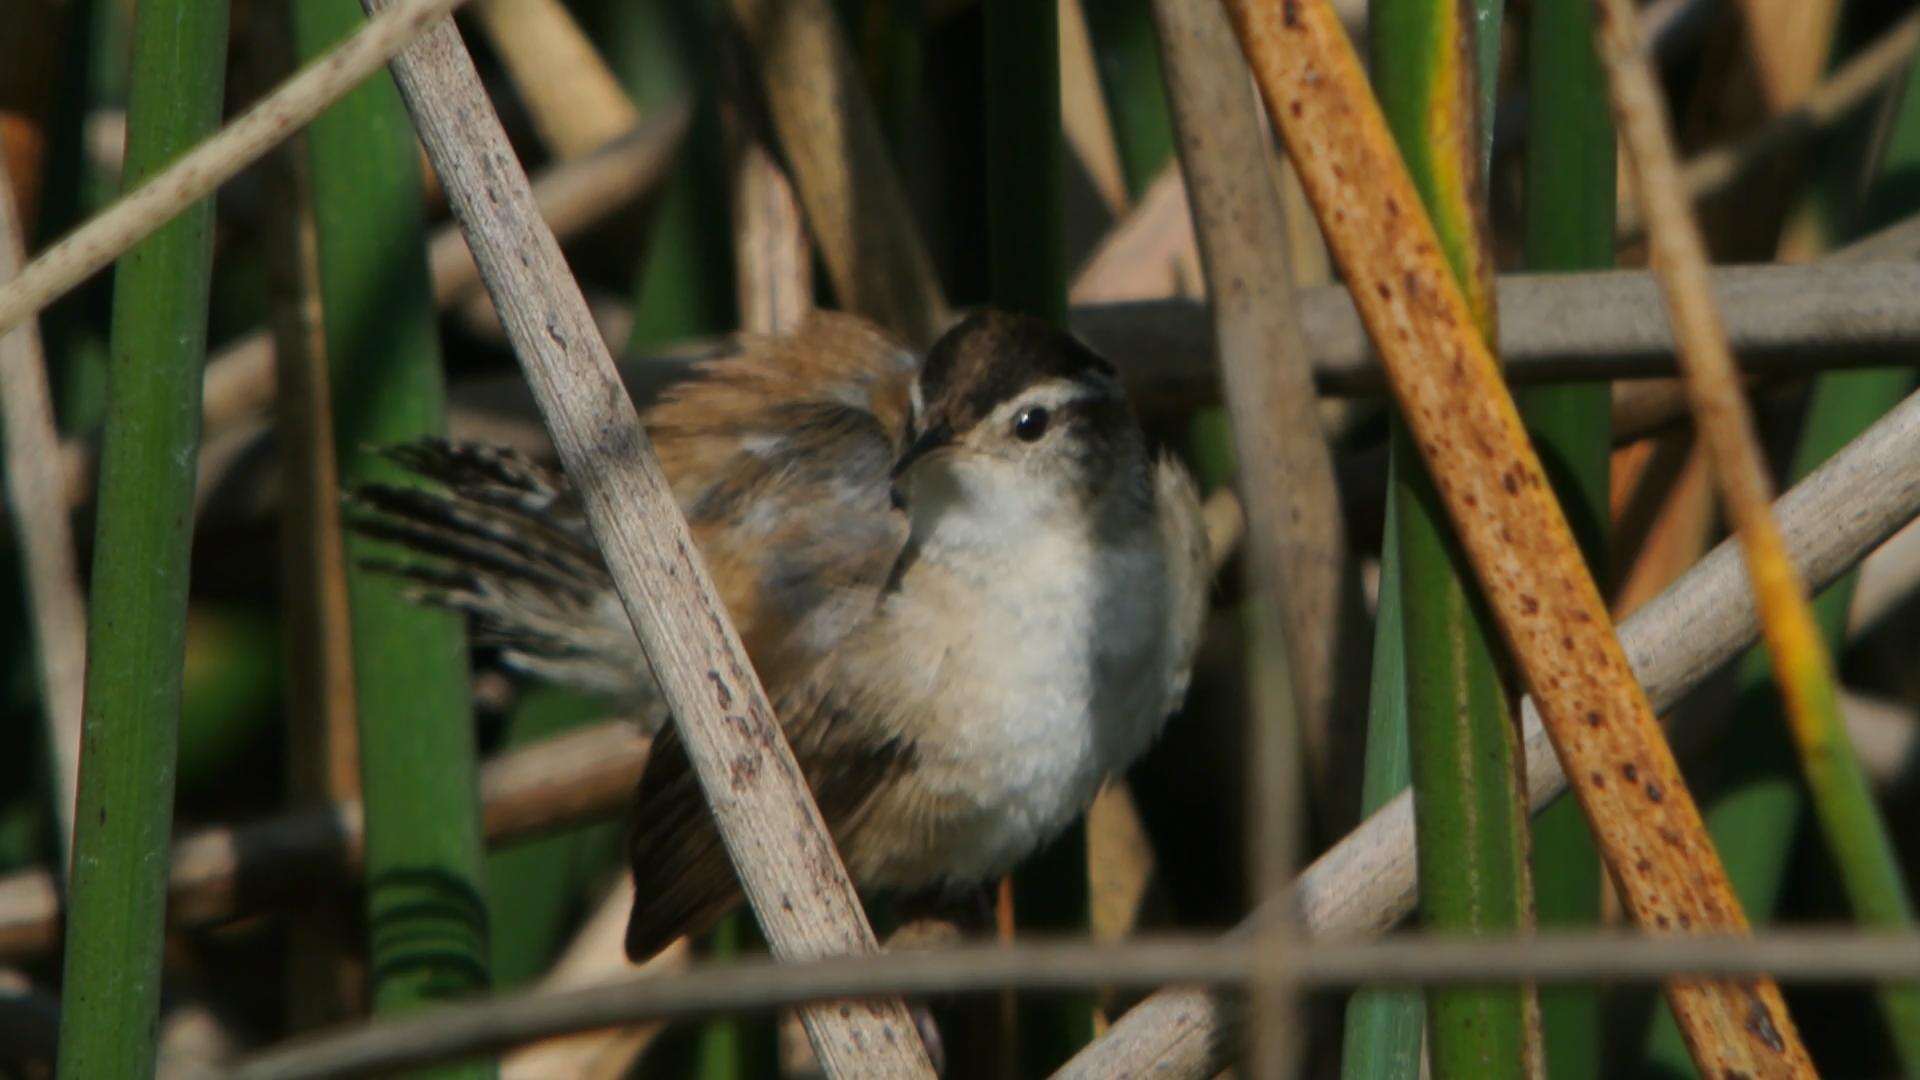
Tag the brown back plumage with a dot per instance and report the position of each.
(779, 456)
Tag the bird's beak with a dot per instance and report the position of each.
(936, 436)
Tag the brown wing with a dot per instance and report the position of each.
(683, 880)
(780, 458)
(779, 455)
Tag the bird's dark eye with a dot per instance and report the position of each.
(1032, 423)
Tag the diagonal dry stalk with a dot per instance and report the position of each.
(1366, 883)
(1492, 484)
(772, 829)
(240, 381)
(1802, 666)
(199, 171)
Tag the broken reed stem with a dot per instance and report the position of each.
(197, 172)
(1802, 666)
(772, 257)
(855, 206)
(489, 1026)
(37, 503)
(772, 830)
(1463, 421)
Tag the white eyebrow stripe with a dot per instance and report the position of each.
(1050, 394)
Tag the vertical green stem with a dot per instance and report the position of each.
(1122, 32)
(1470, 809)
(1569, 226)
(1384, 1027)
(136, 638)
(425, 909)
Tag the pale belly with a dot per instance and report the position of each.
(1027, 707)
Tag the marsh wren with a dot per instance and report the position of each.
(971, 591)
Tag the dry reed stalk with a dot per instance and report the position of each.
(35, 500)
(467, 1030)
(855, 206)
(766, 817)
(1531, 573)
(772, 258)
(1788, 41)
(1286, 482)
(1149, 254)
(577, 104)
(1593, 325)
(1083, 110)
(219, 873)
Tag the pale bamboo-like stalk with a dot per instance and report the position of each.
(35, 499)
(577, 104)
(855, 206)
(1491, 482)
(1296, 531)
(767, 819)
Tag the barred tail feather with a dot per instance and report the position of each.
(504, 542)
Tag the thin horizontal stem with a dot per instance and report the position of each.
(1558, 328)
(222, 872)
(483, 1027)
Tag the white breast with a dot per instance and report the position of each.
(1045, 666)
